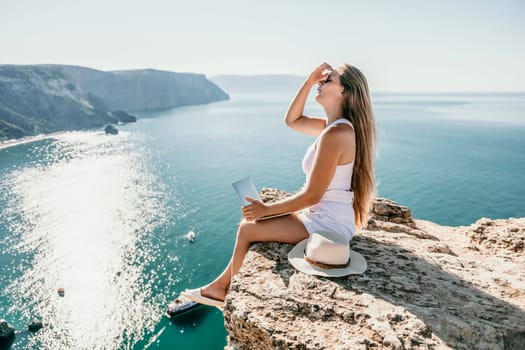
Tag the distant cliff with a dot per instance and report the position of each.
(143, 89)
(270, 82)
(280, 86)
(37, 99)
(427, 287)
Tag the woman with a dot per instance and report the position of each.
(339, 169)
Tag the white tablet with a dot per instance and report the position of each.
(246, 188)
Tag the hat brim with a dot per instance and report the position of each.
(357, 264)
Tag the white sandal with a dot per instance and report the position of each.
(196, 295)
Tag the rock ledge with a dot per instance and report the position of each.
(427, 287)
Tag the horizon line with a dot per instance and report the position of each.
(209, 77)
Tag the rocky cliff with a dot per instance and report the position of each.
(144, 89)
(427, 287)
(37, 99)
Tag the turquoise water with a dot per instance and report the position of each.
(105, 217)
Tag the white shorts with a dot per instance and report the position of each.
(329, 216)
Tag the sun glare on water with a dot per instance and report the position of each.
(84, 215)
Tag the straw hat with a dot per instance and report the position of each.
(326, 254)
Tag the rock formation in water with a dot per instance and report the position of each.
(124, 117)
(36, 99)
(427, 287)
(110, 129)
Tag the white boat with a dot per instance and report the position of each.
(190, 236)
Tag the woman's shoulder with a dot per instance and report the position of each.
(339, 130)
(337, 136)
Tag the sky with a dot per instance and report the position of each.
(416, 46)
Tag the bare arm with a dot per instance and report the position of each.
(329, 150)
(294, 116)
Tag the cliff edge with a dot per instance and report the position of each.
(427, 287)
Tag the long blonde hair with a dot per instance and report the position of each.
(357, 108)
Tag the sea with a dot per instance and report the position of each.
(106, 217)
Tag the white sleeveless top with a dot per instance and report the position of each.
(339, 189)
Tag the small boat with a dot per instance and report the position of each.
(190, 236)
(179, 306)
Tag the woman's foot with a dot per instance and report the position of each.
(213, 291)
(197, 296)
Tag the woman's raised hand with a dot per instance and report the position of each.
(320, 73)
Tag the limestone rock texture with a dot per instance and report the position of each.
(426, 287)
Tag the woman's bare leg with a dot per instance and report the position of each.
(286, 229)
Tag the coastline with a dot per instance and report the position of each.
(29, 139)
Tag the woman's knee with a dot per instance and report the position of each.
(246, 229)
